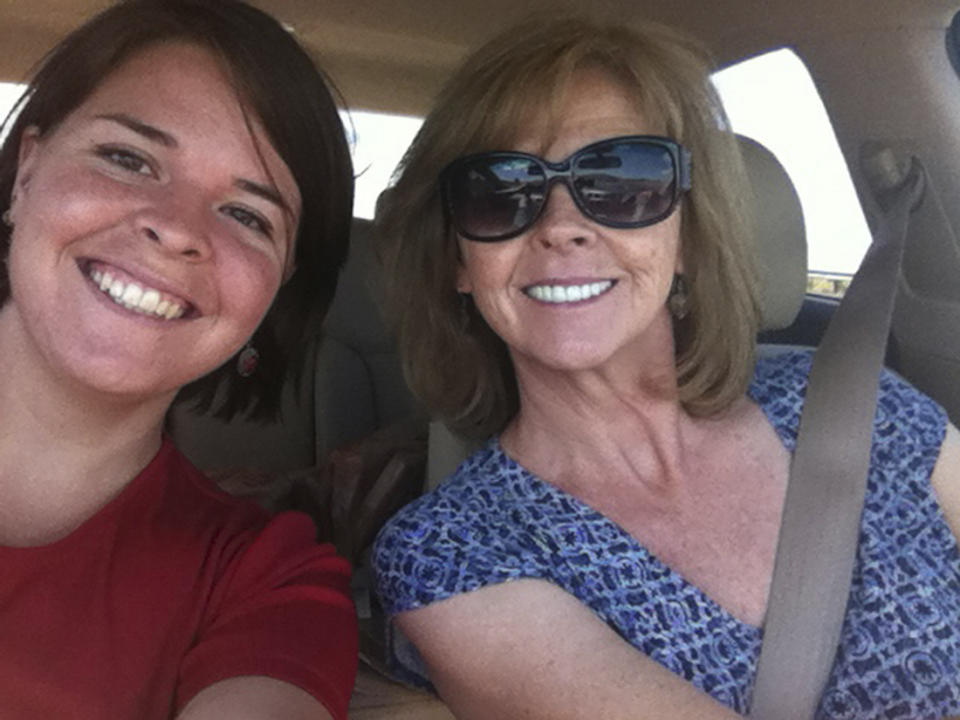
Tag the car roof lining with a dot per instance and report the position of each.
(394, 56)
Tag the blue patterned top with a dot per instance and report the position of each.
(493, 521)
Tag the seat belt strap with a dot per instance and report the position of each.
(820, 526)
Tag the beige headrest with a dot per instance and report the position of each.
(779, 241)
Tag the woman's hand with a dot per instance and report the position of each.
(528, 649)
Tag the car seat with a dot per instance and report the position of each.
(350, 386)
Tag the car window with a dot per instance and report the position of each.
(772, 99)
(377, 141)
(9, 93)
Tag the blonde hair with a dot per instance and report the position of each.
(452, 360)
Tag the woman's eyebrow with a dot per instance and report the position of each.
(167, 140)
(267, 193)
(141, 128)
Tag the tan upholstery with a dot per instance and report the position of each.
(779, 241)
(352, 386)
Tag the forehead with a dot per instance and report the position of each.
(590, 104)
(169, 75)
(184, 89)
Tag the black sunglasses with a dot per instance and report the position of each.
(624, 182)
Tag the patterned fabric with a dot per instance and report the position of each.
(493, 521)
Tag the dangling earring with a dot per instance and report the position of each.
(247, 360)
(677, 299)
(7, 218)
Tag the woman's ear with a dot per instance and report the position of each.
(26, 159)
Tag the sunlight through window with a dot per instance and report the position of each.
(772, 99)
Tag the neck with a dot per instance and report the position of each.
(65, 449)
(614, 423)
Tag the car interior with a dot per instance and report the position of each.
(352, 445)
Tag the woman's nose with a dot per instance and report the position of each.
(180, 227)
(561, 224)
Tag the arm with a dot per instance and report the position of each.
(254, 698)
(527, 649)
(945, 478)
(279, 638)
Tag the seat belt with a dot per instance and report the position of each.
(820, 526)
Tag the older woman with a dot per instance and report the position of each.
(175, 185)
(571, 280)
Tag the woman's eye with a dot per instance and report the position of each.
(126, 159)
(249, 219)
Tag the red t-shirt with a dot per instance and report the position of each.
(171, 587)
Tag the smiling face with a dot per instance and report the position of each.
(571, 294)
(151, 228)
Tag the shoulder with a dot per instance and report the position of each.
(275, 603)
(902, 406)
(185, 486)
(242, 544)
(908, 433)
(483, 481)
(208, 587)
(903, 414)
(279, 605)
(175, 511)
(779, 385)
(186, 510)
(780, 376)
(475, 529)
(172, 512)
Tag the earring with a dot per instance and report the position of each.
(7, 218)
(247, 360)
(677, 299)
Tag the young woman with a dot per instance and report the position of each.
(176, 170)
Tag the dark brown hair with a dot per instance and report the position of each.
(453, 361)
(277, 82)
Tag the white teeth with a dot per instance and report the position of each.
(133, 297)
(149, 301)
(568, 293)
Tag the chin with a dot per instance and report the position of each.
(120, 376)
(129, 386)
(570, 357)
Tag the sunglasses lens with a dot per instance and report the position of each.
(493, 198)
(626, 184)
